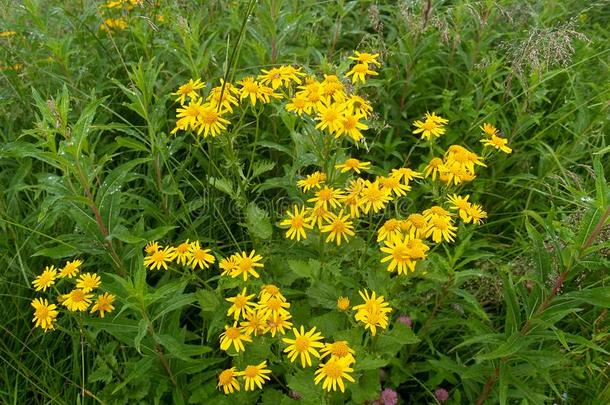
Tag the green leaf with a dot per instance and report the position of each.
(261, 167)
(258, 222)
(303, 269)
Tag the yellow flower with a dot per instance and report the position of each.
(461, 204)
(254, 323)
(430, 128)
(314, 180)
(76, 300)
(353, 202)
(255, 375)
(403, 253)
(241, 303)
(318, 215)
(333, 372)
(45, 314)
(278, 324)
(489, 130)
(498, 143)
(233, 335)
(415, 226)
(297, 221)
(312, 92)
(363, 57)
(210, 121)
(227, 380)
(330, 116)
(249, 89)
(303, 345)
(271, 291)
(291, 74)
(183, 253)
(299, 104)
(350, 125)
(339, 227)
(435, 212)
(189, 89)
(273, 76)
(103, 304)
(339, 349)
(441, 228)
(461, 158)
(359, 72)
(373, 196)
(273, 306)
(359, 106)
(353, 164)
(267, 93)
(151, 247)
(393, 185)
(476, 214)
(46, 279)
(373, 313)
(343, 303)
(88, 282)
(227, 265)
(333, 88)
(246, 265)
(7, 34)
(390, 228)
(200, 257)
(188, 116)
(436, 118)
(223, 97)
(110, 24)
(70, 269)
(327, 196)
(434, 167)
(160, 258)
(405, 174)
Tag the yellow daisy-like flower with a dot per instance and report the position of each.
(88, 282)
(151, 247)
(299, 105)
(249, 89)
(359, 72)
(233, 335)
(498, 143)
(373, 312)
(435, 212)
(267, 93)
(298, 222)
(359, 106)
(291, 74)
(46, 279)
(76, 300)
(353, 202)
(364, 57)
(188, 116)
(272, 76)
(327, 196)
(246, 265)
(227, 265)
(333, 372)
(436, 118)
(333, 88)
(461, 204)
(415, 226)
(339, 228)
(183, 253)
(342, 303)
(314, 180)
(273, 306)
(241, 303)
(45, 314)
(339, 349)
(160, 258)
(103, 304)
(278, 324)
(189, 89)
(70, 269)
(254, 324)
(405, 174)
(390, 228)
(210, 121)
(393, 184)
(403, 253)
(374, 197)
(271, 291)
(110, 24)
(441, 228)
(330, 115)
(201, 258)
(353, 164)
(461, 158)
(489, 130)
(435, 167)
(351, 126)
(223, 97)
(255, 375)
(303, 345)
(476, 214)
(429, 129)
(318, 215)
(227, 380)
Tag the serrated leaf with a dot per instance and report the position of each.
(258, 222)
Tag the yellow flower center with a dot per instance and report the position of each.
(208, 116)
(349, 123)
(274, 304)
(233, 333)
(158, 256)
(240, 301)
(333, 370)
(77, 296)
(183, 248)
(325, 194)
(199, 254)
(400, 253)
(339, 349)
(297, 222)
(338, 226)
(225, 377)
(251, 372)
(245, 264)
(360, 68)
(251, 87)
(42, 312)
(301, 344)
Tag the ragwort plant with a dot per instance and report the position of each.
(276, 219)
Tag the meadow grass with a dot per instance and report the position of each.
(515, 310)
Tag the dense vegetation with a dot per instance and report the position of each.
(513, 310)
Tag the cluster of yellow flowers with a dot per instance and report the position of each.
(339, 111)
(77, 300)
(116, 13)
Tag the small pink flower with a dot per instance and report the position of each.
(404, 319)
(441, 395)
(389, 397)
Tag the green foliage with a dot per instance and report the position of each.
(513, 312)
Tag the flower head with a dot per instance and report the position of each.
(241, 303)
(88, 282)
(103, 304)
(246, 265)
(160, 258)
(233, 335)
(227, 380)
(353, 164)
(255, 375)
(71, 269)
(303, 345)
(359, 72)
(338, 228)
(297, 223)
(76, 300)
(333, 372)
(44, 314)
(343, 303)
(201, 258)
(46, 279)
(189, 89)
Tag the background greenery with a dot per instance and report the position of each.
(515, 312)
